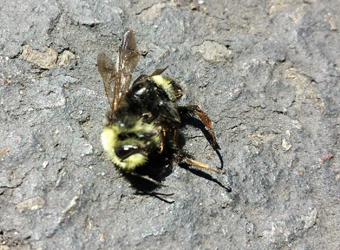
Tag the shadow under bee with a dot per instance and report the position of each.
(150, 176)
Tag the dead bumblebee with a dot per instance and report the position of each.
(144, 114)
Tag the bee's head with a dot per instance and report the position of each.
(128, 148)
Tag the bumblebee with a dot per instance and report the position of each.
(144, 114)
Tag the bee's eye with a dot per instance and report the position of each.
(125, 151)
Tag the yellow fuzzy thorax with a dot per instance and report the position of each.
(110, 141)
(165, 83)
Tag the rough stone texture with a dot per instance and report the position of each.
(274, 98)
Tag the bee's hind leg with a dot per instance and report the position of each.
(200, 165)
(184, 159)
(189, 111)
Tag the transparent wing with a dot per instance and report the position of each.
(117, 78)
(108, 72)
(128, 58)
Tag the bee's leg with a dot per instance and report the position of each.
(162, 135)
(175, 134)
(189, 110)
(200, 165)
(189, 161)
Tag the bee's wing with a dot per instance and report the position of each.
(128, 58)
(158, 71)
(108, 72)
(117, 78)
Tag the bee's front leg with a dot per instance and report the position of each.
(162, 135)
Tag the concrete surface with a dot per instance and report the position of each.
(267, 73)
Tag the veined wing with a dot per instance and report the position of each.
(108, 72)
(117, 78)
(128, 58)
